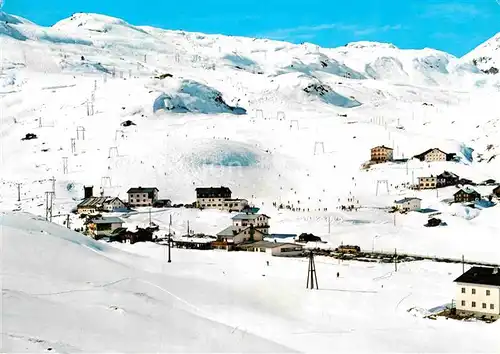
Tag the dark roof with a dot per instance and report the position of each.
(248, 216)
(108, 220)
(404, 200)
(142, 190)
(93, 202)
(467, 190)
(213, 190)
(429, 150)
(480, 275)
(382, 147)
(447, 174)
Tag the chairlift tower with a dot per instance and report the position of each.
(280, 115)
(319, 145)
(73, 145)
(294, 122)
(111, 150)
(65, 165)
(259, 113)
(106, 181)
(382, 182)
(80, 132)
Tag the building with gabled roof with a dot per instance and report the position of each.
(434, 155)
(380, 154)
(103, 226)
(142, 197)
(466, 195)
(478, 292)
(408, 204)
(273, 248)
(219, 198)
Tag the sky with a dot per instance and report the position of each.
(456, 27)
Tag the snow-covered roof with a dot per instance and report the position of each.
(406, 200)
(108, 220)
(249, 216)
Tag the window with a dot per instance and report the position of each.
(463, 290)
(473, 291)
(487, 293)
(473, 304)
(492, 307)
(484, 305)
(463, 302)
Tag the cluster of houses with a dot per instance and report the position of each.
(381, 154)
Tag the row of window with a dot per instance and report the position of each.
(488, 292)
(473, 304)
(137, 201)
(139, 195)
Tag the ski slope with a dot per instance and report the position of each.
(275, 122)
(72, 294)
(312, 114)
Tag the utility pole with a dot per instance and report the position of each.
(169, 224)
(48, 206)
(169, 242)
(395, 218)
(73, 145)
(18, 191)
(395, 260)
(53, 180)
(463, 264)
(149, 216)
(188, 228)
(68, 222)
(65, 165)
(311, 273)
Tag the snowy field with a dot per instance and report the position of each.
(73, 294)
(276, 123)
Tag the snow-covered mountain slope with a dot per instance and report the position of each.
(312, 115)
(65, 293)
(486, 56)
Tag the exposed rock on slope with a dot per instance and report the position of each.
(194, 97)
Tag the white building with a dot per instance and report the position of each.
(478, 292)
(274, 248)
(433, 155)
(234, 235)
(104, 226)
(408, 204)
(113, 204)
(142, 197)
(258, 221)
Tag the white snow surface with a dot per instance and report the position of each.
(362, 95)
(66, 292)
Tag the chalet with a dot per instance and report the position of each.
(237, 205)
(91, 205)
(478, 292)
(380, 154)
(113, 205)
(100, 227)
(273, 248)
(258, 221)
(427, 182)
(219, 198)
(142, 197)
(447, 179)
(408, 204)
(434, 155)
(466, 195)
(234, 235)
(496, 192)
